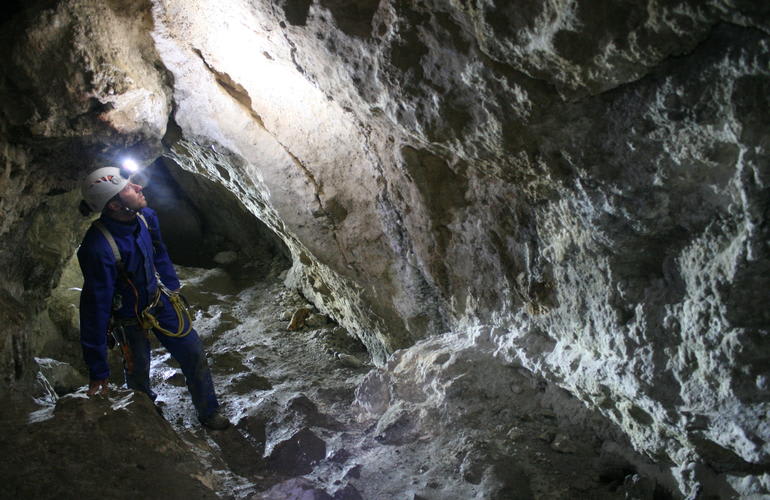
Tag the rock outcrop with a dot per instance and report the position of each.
(587, 182)
(99, 447)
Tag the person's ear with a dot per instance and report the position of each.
(114, 205)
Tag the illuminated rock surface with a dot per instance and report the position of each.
(577, 193)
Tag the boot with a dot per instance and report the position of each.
(216, 421)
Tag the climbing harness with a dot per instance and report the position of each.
(146, 319)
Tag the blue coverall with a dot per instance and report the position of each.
(142, 252)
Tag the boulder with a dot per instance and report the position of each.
(62, 376)
(298, 454)
(101, 447)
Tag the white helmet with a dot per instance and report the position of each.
(101, 185)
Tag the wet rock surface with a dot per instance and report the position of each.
(59, 376)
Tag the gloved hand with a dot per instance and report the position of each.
(97, 387)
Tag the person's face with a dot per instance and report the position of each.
(132, 196)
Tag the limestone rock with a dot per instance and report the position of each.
(144, 454)
(374, 394)
(177, 379)
(316, 320)
(455, 382)
(638, 488)
(563, 444)
(347, 492)
(228, 362)
(63, 377)
(242, 454)
(397, 426)
(306, 413)
(581, 185)
(298, 454)
(348, 360)
(298, 318)
(294, 489)
(250, 382)
(224, 258)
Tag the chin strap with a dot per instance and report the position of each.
(124, 208)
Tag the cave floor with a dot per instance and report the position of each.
(300, 431)
(279, 386)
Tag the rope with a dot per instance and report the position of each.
(181, 308)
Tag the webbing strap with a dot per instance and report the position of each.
(143, 220)
(108, 236)
(111, 240)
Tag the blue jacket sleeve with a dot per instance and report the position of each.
(163, 263)
(99, 276)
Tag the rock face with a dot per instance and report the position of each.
(586, 182)
(116, 447)
(492, 429)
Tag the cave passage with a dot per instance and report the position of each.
(435, 250)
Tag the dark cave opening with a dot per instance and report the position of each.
(203, 220)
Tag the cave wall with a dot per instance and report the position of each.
(586, 181)
(80, 85)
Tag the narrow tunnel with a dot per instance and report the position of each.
(432, 250)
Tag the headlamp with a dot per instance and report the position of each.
(130, 165)
(131, 170)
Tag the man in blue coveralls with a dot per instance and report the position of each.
(122, 256)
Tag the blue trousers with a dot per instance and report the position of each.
(187, 350)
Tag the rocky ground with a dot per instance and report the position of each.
(313, 420)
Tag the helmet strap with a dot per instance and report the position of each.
(123, 211)
(126, 209)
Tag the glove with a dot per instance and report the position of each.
(97, 387)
